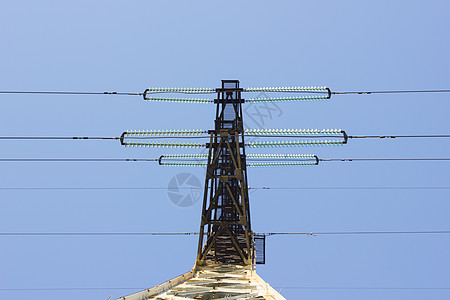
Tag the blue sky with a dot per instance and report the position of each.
(133, 45)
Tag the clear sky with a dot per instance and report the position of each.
(132, 45)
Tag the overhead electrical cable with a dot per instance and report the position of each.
(389, 92)
(360, 288)
(357, 232)
(200, 160)
(195, 137)
(72, 93)
(399, 136)
(77, 159)
(95, 233)
(356, 188)
(250, 188)
(96, 138)
(383, 159)
(277, 287)
(151, 91)
(196, 233)
(57, 138)
(67, 289)
(208, 137)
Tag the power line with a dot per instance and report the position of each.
(213, 92)
(250, 188)
(96, 188)
(330, 159)
(351, 136)
(72, 93)
(383, 159)
(360, 288)
(398, 136)
(356, 188)
(196, 233)
(129, 159)
(70, 289)
(57, 138)
(197, 160)
(207, 137)
(77, 159)
(96, 233)
(277, 287)
(96, 138)
(389, 92)
(99, 93)
(357, 232)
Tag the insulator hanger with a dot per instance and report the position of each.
(147, 94)
(198, 160)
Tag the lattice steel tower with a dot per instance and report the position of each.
(225, 230)
(225, 264)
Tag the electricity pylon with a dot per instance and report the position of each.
(225, 230)
(225, 264)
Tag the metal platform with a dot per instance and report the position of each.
(211, 282)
